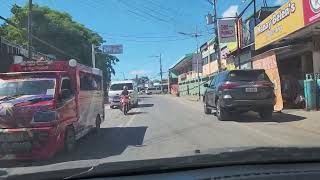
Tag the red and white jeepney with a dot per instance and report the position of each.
(45, 106)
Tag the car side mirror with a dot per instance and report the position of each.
(206, 85)
(66, 94)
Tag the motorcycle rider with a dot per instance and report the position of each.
(125, 91)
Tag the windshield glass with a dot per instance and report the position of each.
(203, 77)
(27, 87)
(118, 87)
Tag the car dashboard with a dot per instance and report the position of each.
(308, 171)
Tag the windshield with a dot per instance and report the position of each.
(119, 87)
(27, 87)
(202, 76)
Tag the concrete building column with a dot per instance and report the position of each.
(316, 54)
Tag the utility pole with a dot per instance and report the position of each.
(198, 75)
(93, 55)
(196, 35)
(160, 73)
(216, 29)
(255, 12)
(30, 30)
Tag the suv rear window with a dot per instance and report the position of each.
(248, 76)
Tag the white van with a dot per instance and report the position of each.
(154, 90)
(116, 88)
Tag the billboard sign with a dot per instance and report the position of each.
(285, 20)
(112, 49)
(311, 11)
(227, 30)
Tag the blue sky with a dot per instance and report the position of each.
(146, 28)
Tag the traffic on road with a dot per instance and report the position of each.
(159, 90)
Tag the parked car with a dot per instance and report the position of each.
(240, 91)
(115, 90)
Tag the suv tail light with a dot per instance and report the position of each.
(229, 85)
(265, 84)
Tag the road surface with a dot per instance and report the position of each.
(167, 126)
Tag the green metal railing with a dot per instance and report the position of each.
(190, 87)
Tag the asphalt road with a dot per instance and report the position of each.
(167, 126)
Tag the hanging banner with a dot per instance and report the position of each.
(285, 20)
(311, 11)
(226, 30)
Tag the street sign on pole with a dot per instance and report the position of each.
(112, 49)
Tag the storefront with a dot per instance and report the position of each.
(288, 42)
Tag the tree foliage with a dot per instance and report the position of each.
(61, 31)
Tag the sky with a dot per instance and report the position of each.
(145, 28)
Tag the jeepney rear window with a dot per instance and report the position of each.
(27, 87)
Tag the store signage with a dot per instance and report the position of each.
(227, 30)
(285, 20)
(311, 11)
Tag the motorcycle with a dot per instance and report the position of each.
(125, 105)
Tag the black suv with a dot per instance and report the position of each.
(240, 91)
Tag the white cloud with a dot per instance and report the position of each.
(139, 72)
(279, 2)
(231, 11)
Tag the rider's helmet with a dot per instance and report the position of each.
(125, 88)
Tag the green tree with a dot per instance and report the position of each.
(58, 29)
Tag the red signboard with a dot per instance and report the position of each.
(311, 11)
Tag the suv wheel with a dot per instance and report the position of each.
(221, 113)
(266, 113)
(206, 109)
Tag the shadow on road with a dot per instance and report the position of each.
(144, 97)
(135, 113)
(109, 142)
(145, 105)
(277, 117)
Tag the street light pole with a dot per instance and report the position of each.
(30, 30)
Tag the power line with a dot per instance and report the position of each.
(140, 37)
(149, 41)
(136, 9)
